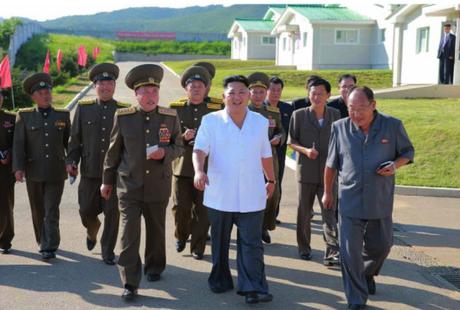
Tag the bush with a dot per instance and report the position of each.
(7, 28)
(174, 47)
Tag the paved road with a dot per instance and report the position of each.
(427, 241)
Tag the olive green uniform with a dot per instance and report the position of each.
(190, 214)
(275, 129)
(89, 141)
(39, 149)
(144, 185)
(7, 180)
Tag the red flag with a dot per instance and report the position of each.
(82, 56)
(59, 60)
(46, 66)
(5, 73)
(96, 52)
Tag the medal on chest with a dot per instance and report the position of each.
(7, 124)
(60, 124)
(164, 134)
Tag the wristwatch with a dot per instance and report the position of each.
(271, 181)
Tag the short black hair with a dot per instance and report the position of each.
(277, 80)
(311, 78)
(364, 89)
(319, 82)
(347, 76)
(235, 78)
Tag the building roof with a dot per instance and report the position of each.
(331, 12)
(278, 8)
(255, 24)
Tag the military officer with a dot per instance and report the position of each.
(144, 141)
(258, 85)
(89, 141)
(190, 215)
(6, 178)
(39, 153)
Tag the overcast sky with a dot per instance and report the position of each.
(50, 9)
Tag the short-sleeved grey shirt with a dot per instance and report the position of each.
(362, 192)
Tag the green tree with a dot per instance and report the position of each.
(7, 28)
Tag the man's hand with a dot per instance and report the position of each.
(158, 154)
(387, 170)
(270, 188)
(327, 200)
(311, 153)
(19, 175)
(72, 170)
(275, 141)
(200, 181)
(189, 134)
(106, 191)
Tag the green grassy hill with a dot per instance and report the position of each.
(214, 18)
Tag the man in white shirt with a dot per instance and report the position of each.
(239, 153)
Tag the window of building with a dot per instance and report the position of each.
(284, 44)
(422, 39)
(382, 35)
(266, 40)
(304, 39)
(346, 36)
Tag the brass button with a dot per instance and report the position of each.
(103, 117)
(147, 130)
(47, 156)
(195, 119)
(46, 124)
(46, 145)
(147, 118)
(46, 134)
(196, 110)
(103, 129)
(147, 145)
(102, 151)
(105, 107)
(103, 140)
(147, 171)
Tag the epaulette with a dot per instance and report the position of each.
(183, 99)
(126, 111)
(177, 104)
(10, 112)
(61, 110)
(214, 106)
(166, 111)
(27, 110)
(215, 100)
(272, 109)
(123, 105)
(87, 102)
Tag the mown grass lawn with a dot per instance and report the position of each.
(294, 79)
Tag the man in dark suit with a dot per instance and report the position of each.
(446, 55)
(346, 81)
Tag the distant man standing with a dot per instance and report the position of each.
(39, 152)
(235, 140)
(190, 215)
(309, 134)
(365, 149)
(258, 85)
(89, 141)
(446, 55)
(346, 81)
(274, 93)
(144, 141)
(7, 180)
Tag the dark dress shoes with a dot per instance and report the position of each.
(197, 256)
(180, 246)
(153, 277)
(109, 261)
(370, 285)
(90, 244)
(305, 256)
(48, 255)
(356, 306)
(129, 294)
(253, 297)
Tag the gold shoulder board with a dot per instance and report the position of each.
(27, 110)
(61, 110)
(177, 104)
(214, 106)
(216, 100)
(272, 109)
(183, 99)
(9, 112)
(87, 102)
(166, 111)
(123, 105)
(126, 111)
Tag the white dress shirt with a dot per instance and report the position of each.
(235, 173)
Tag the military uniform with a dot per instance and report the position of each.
(7, 120)
(144, 185)
(190, 214)
(89, 141)
(39, 149)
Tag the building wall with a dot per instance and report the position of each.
(382, 55)
(256, 49)
(422, 67)
(303, 53)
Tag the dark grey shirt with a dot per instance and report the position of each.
(362, 192)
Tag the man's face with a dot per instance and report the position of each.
(148, 97)
(274, 92)
(105, 89)
(196, 90)
(446, 29)
(42, 97)
(258, 95)
(236, 97)
(318, 95)
(361, 110)
(344, 86)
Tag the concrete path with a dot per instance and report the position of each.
(427, 247)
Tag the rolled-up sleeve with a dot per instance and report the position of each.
(202, 140)
(404, 147)
(333, 150)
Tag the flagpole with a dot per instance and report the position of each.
(12, 96)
